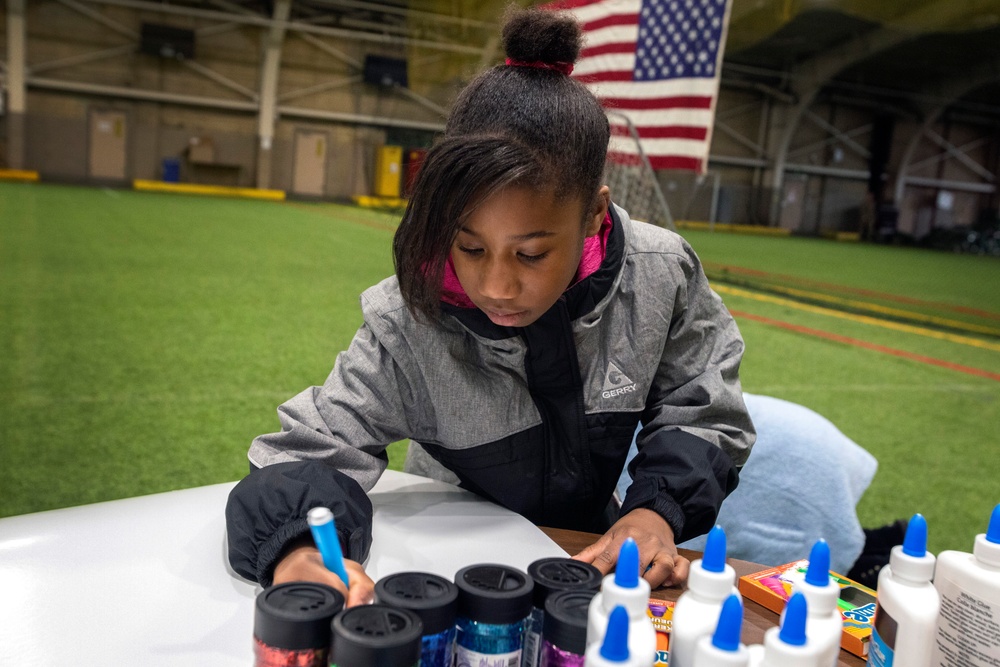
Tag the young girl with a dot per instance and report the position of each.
(530, 327)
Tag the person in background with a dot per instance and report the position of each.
(802, 482)
(529, 327)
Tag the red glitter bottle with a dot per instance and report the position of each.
(291, 626)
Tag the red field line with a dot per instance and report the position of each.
(868, 346)
(885, 296)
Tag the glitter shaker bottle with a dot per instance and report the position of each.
(435, 600)
(564, 633)
(291, 625)
(550, 576)
(494, 602)
(376, 635)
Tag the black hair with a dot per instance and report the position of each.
(523, 124)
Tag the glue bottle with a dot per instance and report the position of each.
(907, 604)
(627, 589)
(723, 648)
(969, 585)
(788, 645)
(614, 649)
(825, 625)
(696, 613)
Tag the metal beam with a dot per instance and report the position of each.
(264, 22)
(961, 186)
(83, 58)
(838, 134)
(270, 71)
(409, 13)
(805, 150)
(358, 119)
(818, 71)
(952, 151)
(321, 87)
(14, 81)
(949, 91)
(965, 148)
(137, 94)
(97, 16)
(220, 79)
(833, 172)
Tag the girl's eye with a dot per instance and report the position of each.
(532, 258)
(471, 251)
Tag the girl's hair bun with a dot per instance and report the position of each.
(535, 35)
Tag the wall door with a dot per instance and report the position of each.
(309, 172)
(108, 132)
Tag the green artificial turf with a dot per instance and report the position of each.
(145, 339)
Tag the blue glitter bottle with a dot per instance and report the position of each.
(494, 602)
(435, 600)
(552, 575)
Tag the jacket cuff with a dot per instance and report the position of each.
(647, 496)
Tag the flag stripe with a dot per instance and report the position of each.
(678, 102)
(666, 132)
(609, 21)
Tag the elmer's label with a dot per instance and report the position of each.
(466, 658)
(883, 644)
(968, 629)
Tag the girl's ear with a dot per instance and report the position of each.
(599, 211)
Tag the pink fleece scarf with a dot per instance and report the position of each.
(594, 249)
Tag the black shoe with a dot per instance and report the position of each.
(878, 545)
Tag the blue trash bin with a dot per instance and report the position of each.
(171, 170)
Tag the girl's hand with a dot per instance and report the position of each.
(303, 562)
(658, 557)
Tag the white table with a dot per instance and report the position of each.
(146, 581)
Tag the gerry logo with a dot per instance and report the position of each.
(616, 383)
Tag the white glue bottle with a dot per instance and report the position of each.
(627, 589)
(907, 604)
(613, 649)
(969, 585)
(723, 648)
(824, 625)
(696, 613)
(788, 646)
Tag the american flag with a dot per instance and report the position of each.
(656, 62)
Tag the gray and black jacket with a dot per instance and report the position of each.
(538, 419)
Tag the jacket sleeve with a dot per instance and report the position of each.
(696, 429)
(330, 452)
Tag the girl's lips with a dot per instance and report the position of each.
(505, 319)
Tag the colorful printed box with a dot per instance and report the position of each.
(771, 588)
(661, 613)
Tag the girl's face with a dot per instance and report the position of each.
(519, 250)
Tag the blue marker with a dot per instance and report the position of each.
(324, 533)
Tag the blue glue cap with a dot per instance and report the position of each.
(714, 559)
(818, 572)
(615, 645)
(915, 542)
(993, 532)
(727, 632)
(627, 569)
(793, 629)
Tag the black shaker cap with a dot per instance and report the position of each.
(565, 624)
(434, 599)
(376, 635)
(296, 615)
(562, 574)
(494, 594)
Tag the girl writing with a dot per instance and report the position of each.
(529, 328)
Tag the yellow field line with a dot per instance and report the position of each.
(885, 310)
(19, 175)
(212, 190)
(864, 319)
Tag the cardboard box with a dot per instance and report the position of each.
(661, 613)
(771, 588)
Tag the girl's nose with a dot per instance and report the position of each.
(498, 280)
